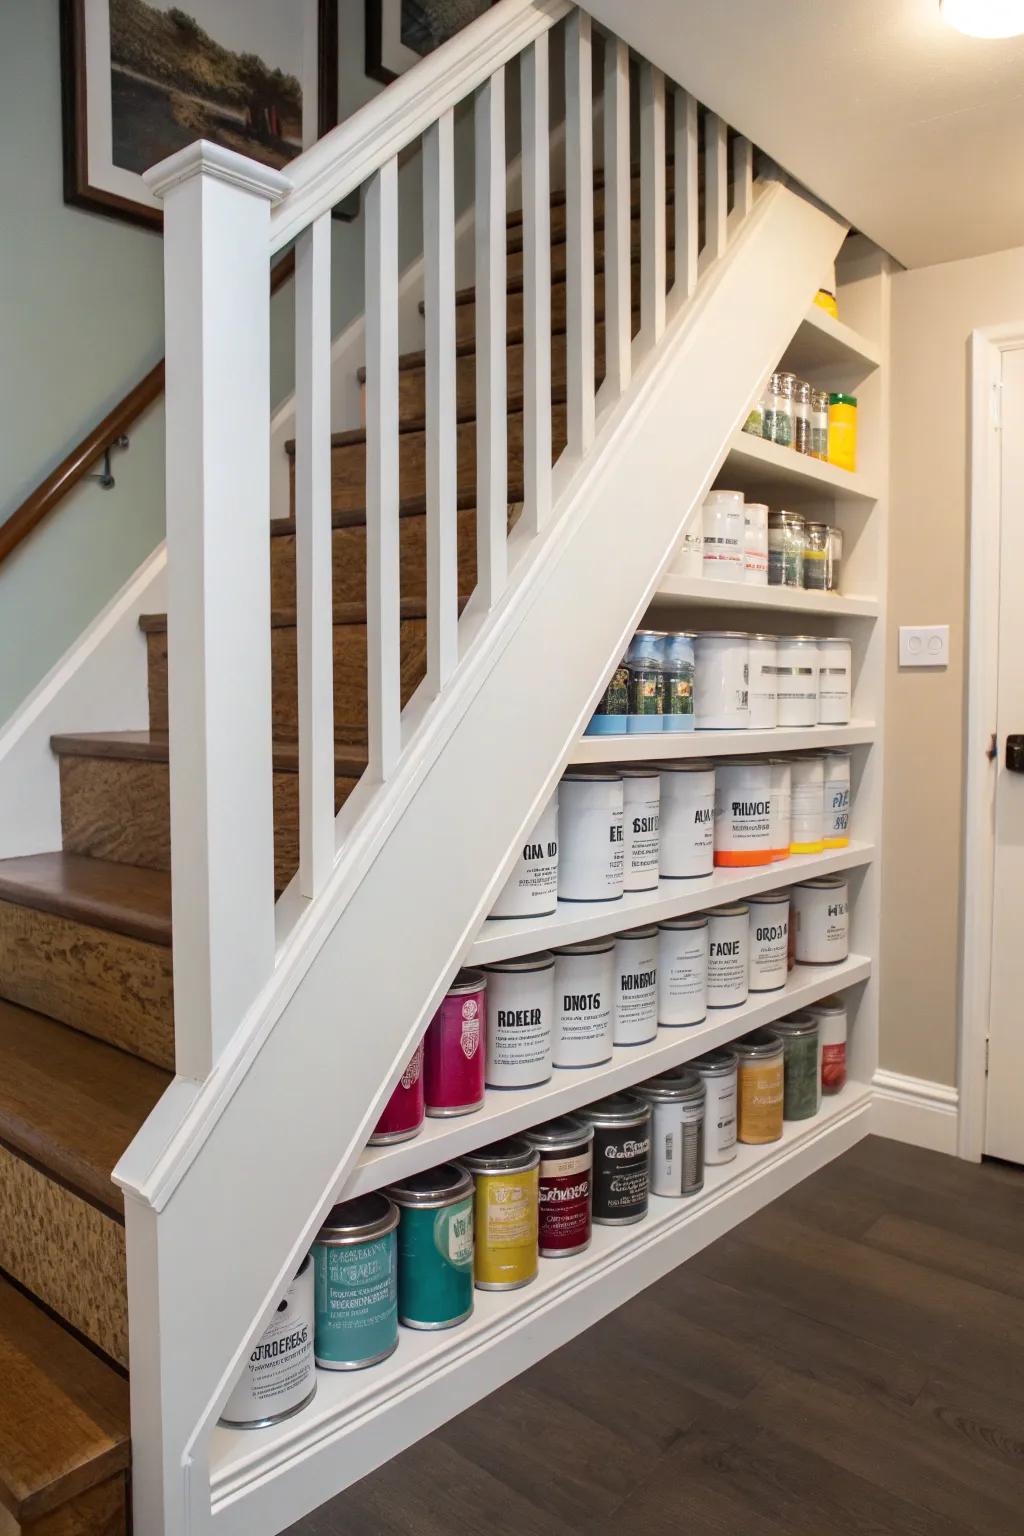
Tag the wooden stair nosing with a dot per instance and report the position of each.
(516, 404)
(410, 362)
(152, 747)
(285, 618)
(121, 898)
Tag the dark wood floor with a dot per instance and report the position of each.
(851, 1360)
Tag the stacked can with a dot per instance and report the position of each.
(683, 971)
(743, 806)
(355, 1272)
(504, 1214)
(455, 1049)
(403, 1115)
(435, 1247)
(687, 820)
(832, 1030)
(532, 888)
(520, 1021)
(566, 1148)
(728, 955)
(636, 986)
(677, 1132)
(641, 819)
(591, 836)
(717, 1070)
(584, 1004)
(622, 1145)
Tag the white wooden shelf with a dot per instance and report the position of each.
(698, 591)
(673, 745)
(508, 1112)
(754, 464)
(822, 342)
(574, 921)
(359, 1419)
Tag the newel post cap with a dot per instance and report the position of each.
(202, 158)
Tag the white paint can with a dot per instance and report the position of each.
(743, 803)
(584, 1003)
(807, 804)
(687, 820)
(821, 921)
(724, 536)
(761, 662)
(721, 681)
(682, 971)
(520, 1017)
(796, 662)
(769, 941)
(636, 986)
(531, 890)
(755, 547)
(279, 1377)
(837, 799)
(728, 955)
(718, 1070)
(591, 841)
(835, 680)
(676, 1166)
(641, 813)
(779, 836)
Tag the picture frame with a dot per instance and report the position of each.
(389, 24)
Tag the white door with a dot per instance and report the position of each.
(1004, 1120)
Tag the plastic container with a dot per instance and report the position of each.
(677, 668)
(645, 698)
(755, 543)
(724, 536)
(609, 718)
(842, 431)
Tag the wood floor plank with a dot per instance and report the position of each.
(981, 1263)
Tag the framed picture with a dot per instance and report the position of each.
(143, 78)
(400, 32)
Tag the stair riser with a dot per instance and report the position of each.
(559, 252)
(465, 314)
(99, 1511)
(349, 561)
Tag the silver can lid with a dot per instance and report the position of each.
(760, 1043)
(697, 920)
(827, 1005)
(798, 639)
(688, 765)
(641, 771)
(591, 776)
(650, 932)
(556, 1135)
(543, 960)
(823, 883)
(717, 1063)
(618, 1109)
(723, 634)
(433, 1187)
(795, 1025)
(769, 899)
(513, 1155)
(677, 1087)
(467, 981)
(357, 1221)
(587, 947)
(734, 909)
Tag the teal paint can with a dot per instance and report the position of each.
(355, 1272)
(435, 1247)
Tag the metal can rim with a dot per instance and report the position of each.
(466, 981)
(459, 1188)
(543, 960)
(490, 1159)
(598, 1115)
(575, 1133)
(338, 1234)
(685, 1087)
(707, 1066)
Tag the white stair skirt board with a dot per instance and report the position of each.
(914, 1110)
(359, 1419)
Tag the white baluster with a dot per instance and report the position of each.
(442, 444)
(383, 606)
(652, 202)
(716, 185)
(579, 233)
(491, 342)
(742, 176)
(687, 208)
(536, 284)
(618, 299)
(314, 598)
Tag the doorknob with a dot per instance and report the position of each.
(1015, 754)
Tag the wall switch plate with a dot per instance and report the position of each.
(924, 647)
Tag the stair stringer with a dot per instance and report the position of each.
(279, 1135)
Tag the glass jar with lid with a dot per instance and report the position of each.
(819, 424)
(835, 557)
(777, 410)
(816, 557)
(787, 538)
(801, 416)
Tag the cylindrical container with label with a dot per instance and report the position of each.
(355, 1269)
(721, 681)
(832, 1029)
(821, 918)
(764, 705)
(689, 556)
(796, 671)
(584, 1004)
(677, 1132)
(782, 791)
(769, 940)
(755, 548)
(520, 1020)
(683, 971)
(687, 831)
(728, 955)
(504, 1214)
(724, 536)
(759, 1087)
(743, 803)
(837, 799)
(636, 986)
(677, 667)
(403, 1114)
(801, 1073)
(717, 1069)
(645, 687)
(566, 1148)
(455, 1049)
(835, 680)
(807, 804)
(622, 1147)
(591, 842)
(435, 1247)
(531, 890)
(842, 431)
(641, 814)
(609, 718)
(279, 1377)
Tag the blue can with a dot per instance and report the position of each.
(643, 660)
(677, 668)
(435, 1247)
(355, 1272)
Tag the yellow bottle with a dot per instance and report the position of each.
(842, 431)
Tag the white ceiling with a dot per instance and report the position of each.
(911, 131)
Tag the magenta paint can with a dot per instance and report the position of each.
(403, 1115)
(455, 1054)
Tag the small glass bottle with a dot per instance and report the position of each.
(801, 416)
(777, 414)
(819, 424)
(754, 423)
(816, 558)
(835, 557)
(787, 537)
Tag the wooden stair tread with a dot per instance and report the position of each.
(64, 1423)
(152, 747)
(284, 618)
(71, 1103)
(123, 898)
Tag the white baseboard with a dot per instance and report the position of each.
(914, 1110)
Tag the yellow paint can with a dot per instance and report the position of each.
(506, 1177)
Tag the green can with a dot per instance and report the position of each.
(801, 1072)
(355, 1277)
(435, 1247)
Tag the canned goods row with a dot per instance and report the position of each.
(731, 539)
(726, 680)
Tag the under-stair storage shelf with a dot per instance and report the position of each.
(698, 591)
(751, 461)
(825, 345)
(670, 746)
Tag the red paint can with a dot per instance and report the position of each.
(566, 1148)
(403, 1115)
(454, 1059)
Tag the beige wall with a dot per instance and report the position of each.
(934, 310)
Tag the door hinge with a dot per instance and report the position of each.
(987, 1043)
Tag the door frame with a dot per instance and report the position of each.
(985, 364)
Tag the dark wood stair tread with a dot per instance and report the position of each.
(122, 898)
(284, 618)
(64, 1423)
(71, 1103)
(152, 747)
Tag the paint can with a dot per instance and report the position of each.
(807, 804)
(435, 1247)
(755, 546)
(796, 663)
(641, 817)
(832, 1033)
(645, 702)
(677, 1132)
(403, 1114)
(520, 1018)
(801, 1070)
(835, 680)
(531, 890)
(636, 986)
(687, 831)
(566, 1148)
(717, 1070)
(782, 791)
(724, 536)
(764, 706)
(591, 854)
(743, 805)
(622, 1146)
(759, 1087)
(355, 1268)
(769, 941)
(455, 1049)
(279, 1378)
(609, 718)
(504, 1214)
(721, 682)
(584, 1004)
(689, 556)
(682, 971)
(821, 918)
(837, 799)
(677, 668)
(728, 955)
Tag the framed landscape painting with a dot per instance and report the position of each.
(400, 32)
(143, 78)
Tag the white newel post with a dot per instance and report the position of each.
(216, 302)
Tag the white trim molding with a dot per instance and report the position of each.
(914, 1110)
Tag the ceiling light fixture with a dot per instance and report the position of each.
(985, 18)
